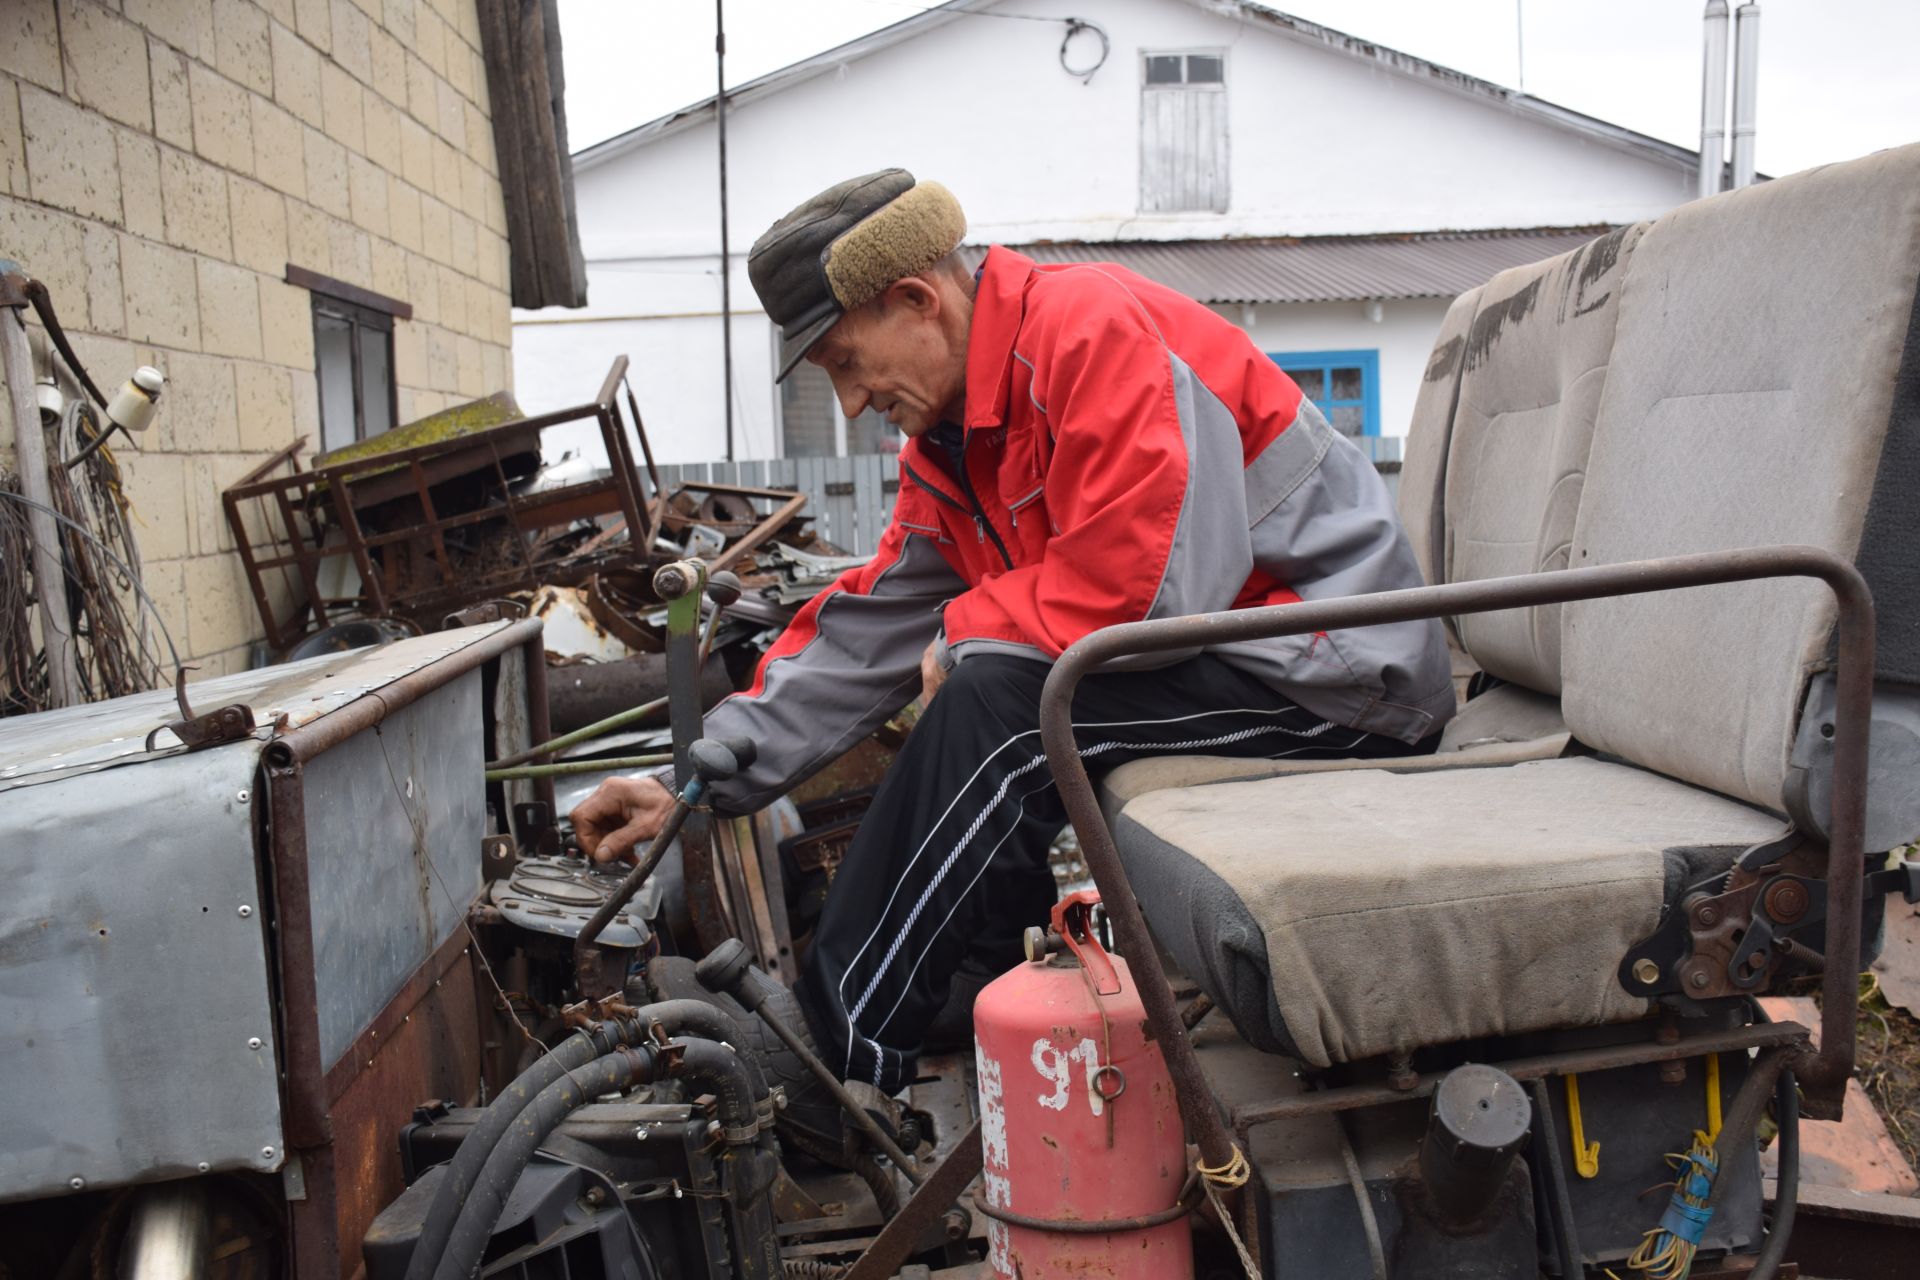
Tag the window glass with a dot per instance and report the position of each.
(333, 360)
(806, 412)
(1344, 385)
(376, 405)
(1163, 69)
(1348, 419)
(871, 433)
(1205, 68)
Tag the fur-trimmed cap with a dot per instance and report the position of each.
(842, 248)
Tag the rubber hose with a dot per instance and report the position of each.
(467, 1243)
(710, 1068)
(698, 1020)
(576, 1051)
(1786, 1196)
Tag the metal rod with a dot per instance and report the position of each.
(1713, 98)
(726, 260)
(618, 720)
(848, 1103)
(586, 956)
(566, 767)
(49, 579)
(1826, 1073)
(168, 1232)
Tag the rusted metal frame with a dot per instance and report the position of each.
(620, 459)
(335, 478)
(1760, 1035)
(432, 516)
(230, 499)
(657, 503)
(1824, 1074)
(341, 1074)
(902, 1235)
(539, 720)
(792, 504)
(513, 509)
(309, 740)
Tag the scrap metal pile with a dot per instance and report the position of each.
(402, 532)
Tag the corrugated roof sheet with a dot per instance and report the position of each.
(1324, 269)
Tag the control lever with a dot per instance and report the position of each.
(714, 760)
(723, 588)
(729, 970)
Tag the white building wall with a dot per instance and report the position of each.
(1322, 143)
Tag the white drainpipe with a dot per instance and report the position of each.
(1713, 99)
(1746, 89)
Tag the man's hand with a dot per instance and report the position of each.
(619, 814)
(932, 674)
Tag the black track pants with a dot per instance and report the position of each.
(952, 856)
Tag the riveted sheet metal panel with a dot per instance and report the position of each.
(134, 978)
(394, 819)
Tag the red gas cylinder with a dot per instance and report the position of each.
(1077, 1117)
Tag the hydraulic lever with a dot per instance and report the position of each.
(713, 760)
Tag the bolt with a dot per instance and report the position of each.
(204, 1167)
(1706, 915)
(1787, 900)
(596, 1195)
(241, 795)
(956, 1224)
(1645, 972)
(245, 911)
(254, 1042)
(78, 1184)
(1400, 1073)
(1674, 1072)
(1698, 979)
(266, 1153)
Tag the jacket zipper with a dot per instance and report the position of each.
(983, 528)
(1013, 508)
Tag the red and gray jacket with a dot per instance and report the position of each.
(1128, 455)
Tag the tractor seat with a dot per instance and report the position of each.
(1335, 916)
(1741, 372)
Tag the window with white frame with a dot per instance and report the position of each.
(1183, 131)
(812, 425)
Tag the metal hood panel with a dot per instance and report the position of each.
(54, 744)
(136, 1033)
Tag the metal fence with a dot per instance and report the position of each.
(851, 498)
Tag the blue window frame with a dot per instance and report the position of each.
(1344, 384)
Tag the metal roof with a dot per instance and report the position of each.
(1374, 55)
(1324, 269)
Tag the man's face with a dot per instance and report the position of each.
(902, 355)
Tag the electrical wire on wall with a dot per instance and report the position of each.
(1075, 26)
(117, 646)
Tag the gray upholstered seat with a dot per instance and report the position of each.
(1743, 371)
(1339, 915)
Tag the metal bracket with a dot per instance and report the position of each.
(229, 724)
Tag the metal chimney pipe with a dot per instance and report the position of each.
(1713, 100)
(1746, 90)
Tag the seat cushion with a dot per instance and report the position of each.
(1335, 916)
(1504, 725)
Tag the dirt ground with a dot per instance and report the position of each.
(1889, 1066)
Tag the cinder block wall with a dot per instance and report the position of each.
(162, 161)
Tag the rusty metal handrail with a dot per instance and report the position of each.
(1823, 1075)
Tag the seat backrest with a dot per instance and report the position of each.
(1423, 468)
(1764, 388)
(1531, 374)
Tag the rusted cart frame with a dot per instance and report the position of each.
(1823, 1073)
(331, 1128)
(413, 472)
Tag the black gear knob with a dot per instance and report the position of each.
(728, 970)
(717, 759)
(723, 588)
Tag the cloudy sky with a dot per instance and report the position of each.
(1837, 77)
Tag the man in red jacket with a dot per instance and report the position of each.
(1085, 447)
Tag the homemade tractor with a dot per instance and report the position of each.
(336, 1009)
